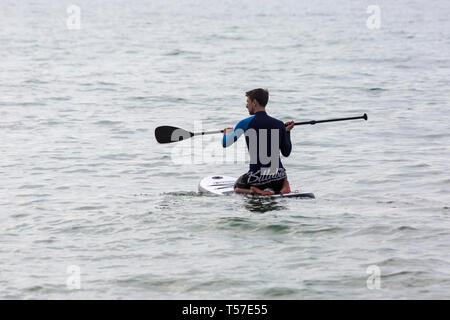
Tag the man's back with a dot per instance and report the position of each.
(265, 137)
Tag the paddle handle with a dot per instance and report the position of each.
(312, 122)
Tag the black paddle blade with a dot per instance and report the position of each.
(168, 134)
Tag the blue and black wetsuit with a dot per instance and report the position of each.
(265, 137)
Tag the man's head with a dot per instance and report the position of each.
(257, 100)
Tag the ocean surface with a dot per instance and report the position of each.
(92, 207)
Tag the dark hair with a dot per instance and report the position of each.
(261, 95)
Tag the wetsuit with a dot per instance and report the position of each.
(261, 132)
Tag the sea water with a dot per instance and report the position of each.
(92, 207)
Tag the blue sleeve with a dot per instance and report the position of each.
(285, 143)
(241, 127)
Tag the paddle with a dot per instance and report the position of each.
(169, 134)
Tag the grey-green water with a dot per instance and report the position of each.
(84, 185)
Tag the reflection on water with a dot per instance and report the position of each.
(185, 193)
(262, 204)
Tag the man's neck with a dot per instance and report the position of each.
(258, 109)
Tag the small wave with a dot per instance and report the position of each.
(25, 204)
(401, 274)
(103, 83)
(138, 98)
(34, 289)
(62, 188)
(322, 230)
(101, 89)
(120, 156)
(277, 292)
(36, 81)
(107, 123)
(406, 228)
(178, 52)
(181, 194)
(60, 98)
(31, 186)
(148, 280)
(42, 195)
(85, 208)
(214, 285)
(79, 171)
(236, 223)
(377, 229)
(29, 104)
(276, 228)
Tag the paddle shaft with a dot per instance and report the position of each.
(206, 132)
(312, 122)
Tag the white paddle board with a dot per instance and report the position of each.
(219, 185)
(223, 185)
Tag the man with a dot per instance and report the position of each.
(265, 137)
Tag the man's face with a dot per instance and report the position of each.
(250, 106)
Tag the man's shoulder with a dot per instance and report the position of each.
(247, 119)
(243, 124)
(277, 121)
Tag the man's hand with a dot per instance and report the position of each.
(259, 191)
(227, 130)
(289, 125)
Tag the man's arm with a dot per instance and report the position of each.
(286, 145)
(229, 138)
